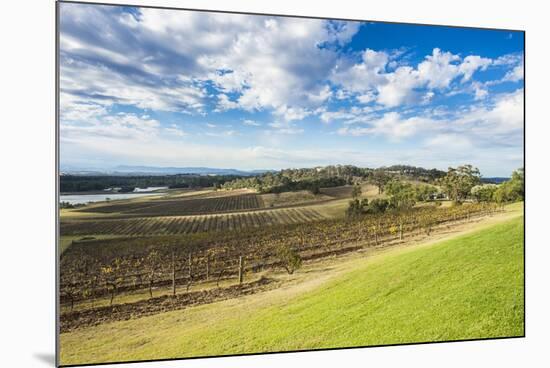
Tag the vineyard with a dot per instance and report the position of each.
(191, 224)
(183, 206)
(96, 268)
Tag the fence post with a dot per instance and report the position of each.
(240, 270)
(173, 273)
(400, 231)
(190, 264)
(207, 267)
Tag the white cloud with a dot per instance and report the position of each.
(292, 113)
(273, 63)
(370, 79)
(251, 123)
(290, 131)
(223, 133)
(224, 103)
(498, 121)
(399, 87)
(393, 126)
(375, 61)
(104, 86)
(508, 59)
(285, 127)
(480, 92)
(288, 67)
(125, 126)
(471, 64)
(324, 94)
(448, 142)
(439, 69)
(516, 74)
(360, 77)
(174, 130)
(342, 32)
(366, 98)
(328, 116)
(159, 59)
(75, 109)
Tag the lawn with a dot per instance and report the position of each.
(464, 288)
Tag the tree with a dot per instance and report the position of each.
(315, 188)
(401, 195)
(425, 192)
(357, 207)
(484, 193)
(377, 206)
(512, 190)
(356, 192)
(289, 258)
(458, 182)
(379, 177)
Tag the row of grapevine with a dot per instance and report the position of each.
(171, 225)
(183, 206)
(89, 270)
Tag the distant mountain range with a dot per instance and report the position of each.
(154, 170)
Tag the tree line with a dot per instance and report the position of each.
(330, 176)
(84, 183)
(459, 184)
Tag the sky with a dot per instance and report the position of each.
(141, 86)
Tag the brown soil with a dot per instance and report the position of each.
(121, 312)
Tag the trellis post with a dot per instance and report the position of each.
(241, 264)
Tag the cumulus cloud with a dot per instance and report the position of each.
(495, 122)
(500, 121)
(160, 59)
(391, 125)
(399, 87)
(248, 69)
(471, 64)
(371, 79)
(515, 74)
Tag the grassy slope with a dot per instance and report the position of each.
(467, 287)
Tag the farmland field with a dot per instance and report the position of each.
(183, 206)
(293, 198)
(126, 264)
(172, 225)
(422, 293)
(195, 257)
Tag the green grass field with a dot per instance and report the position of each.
(464, 288)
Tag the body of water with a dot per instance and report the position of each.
(149, 189)
(86, 198)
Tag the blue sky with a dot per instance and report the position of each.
(180, 88)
